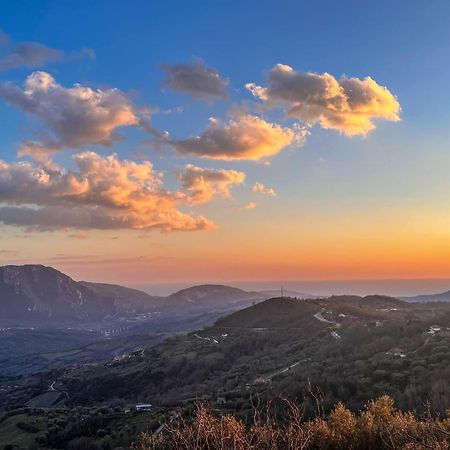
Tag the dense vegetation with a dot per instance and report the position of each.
(316, 352)
(378, 426)
(370, 354)
(103, 428)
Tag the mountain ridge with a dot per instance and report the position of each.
(37, 292)
(428, 298)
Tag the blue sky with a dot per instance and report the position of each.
(399, 169)
(402, 44)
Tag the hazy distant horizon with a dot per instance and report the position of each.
(394, 287)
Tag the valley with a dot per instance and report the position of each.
(218, 345)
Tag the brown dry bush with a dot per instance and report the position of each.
(379, 426)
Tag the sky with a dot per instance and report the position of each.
(182, 142)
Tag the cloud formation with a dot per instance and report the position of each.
(196, 79)
(247, 137)
(249, 206)
(201, 185)
(29, 54)
(34, 54)
(261, 189)
(77, 116)
(103, 193)
(348, 105)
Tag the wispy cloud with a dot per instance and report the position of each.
(29, 54)
(249, 206)
(261, 189)
(34, 54)
(79, 235)
(69, 259)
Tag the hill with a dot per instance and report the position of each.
(124, 298)
(322, 351)
(273, 313)
(354, 348)
(37, 293)
(272, 293)
(294, 313)
(34, 295)
(427, 298)
(211, 297)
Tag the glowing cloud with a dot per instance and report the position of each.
(247, 137)
(348, 105)
(104, 193)
(77, 116)
(201, 185)
(195, 78)
(261, 189)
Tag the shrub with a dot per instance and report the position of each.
(378, 426)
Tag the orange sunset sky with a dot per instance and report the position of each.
(245, 144)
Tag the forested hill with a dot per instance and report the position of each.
(351, 348)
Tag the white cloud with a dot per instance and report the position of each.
(76, 116)
(348, 105)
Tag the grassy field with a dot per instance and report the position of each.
(11, 434)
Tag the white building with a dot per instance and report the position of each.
(143, 407)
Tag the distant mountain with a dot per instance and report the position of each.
(125, 299)
(36, 293)
(211, 297)
(426, 298)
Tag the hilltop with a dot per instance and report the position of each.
(211, 297)
(297, 313)
(273, 313)
(283, 342)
